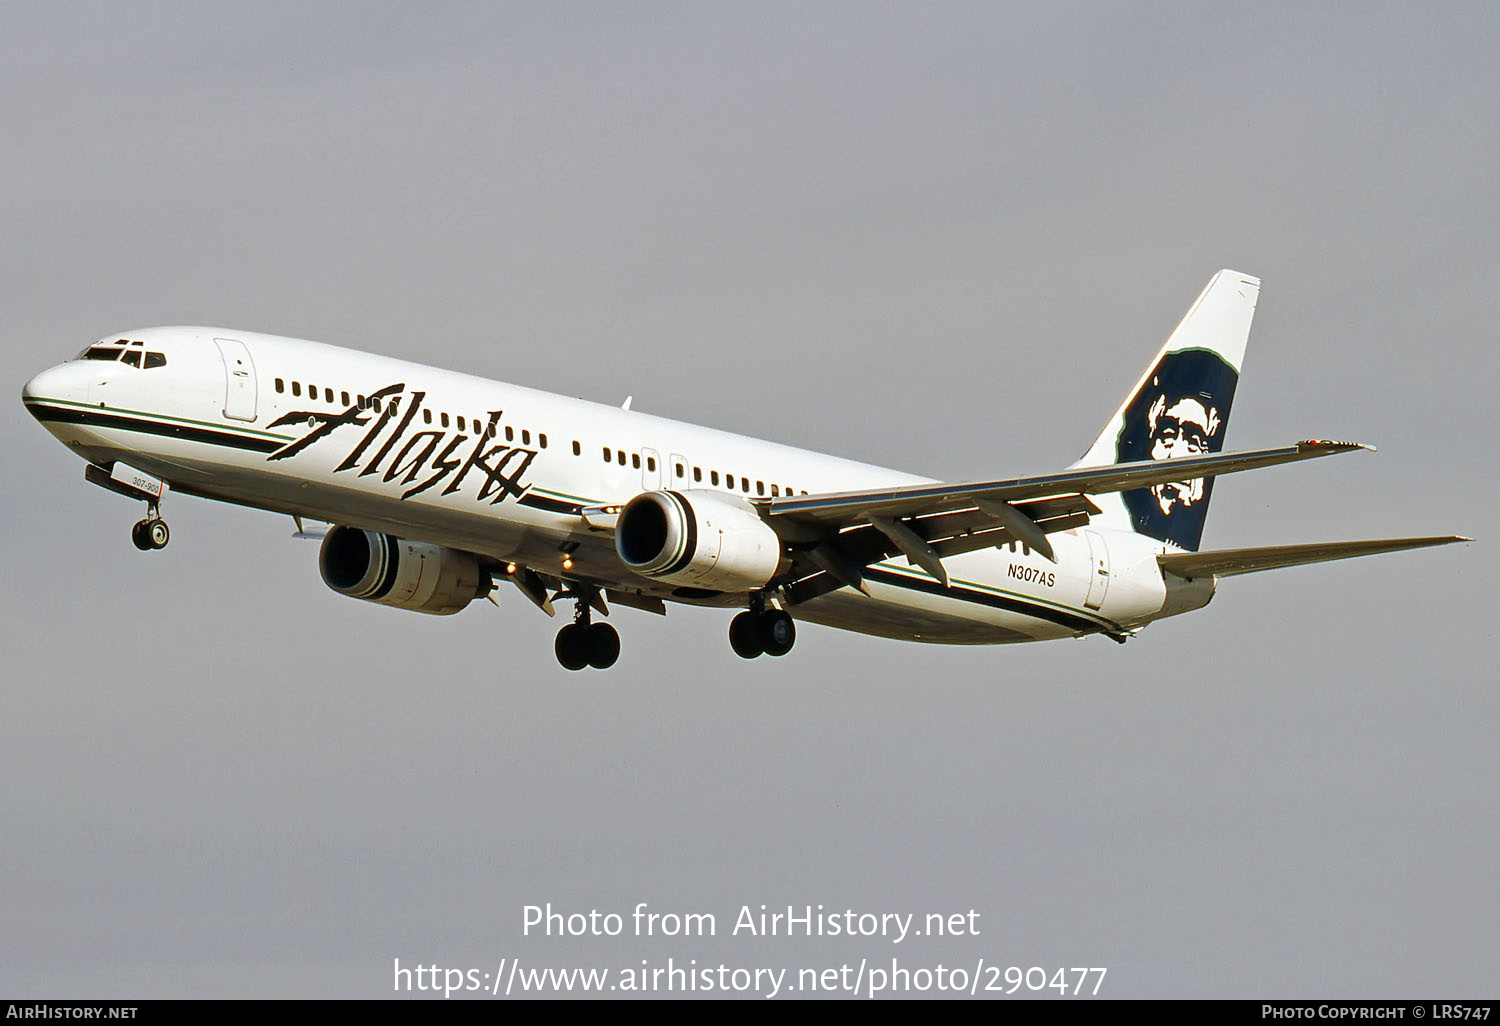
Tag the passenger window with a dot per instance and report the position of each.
(296, 388)
(775, 491)
(375, 403)
(679, 470)
(577, 449)
(132, 357)
(155, 360)
(543, 440)
(621, 455)
(460, 423)
(760, 488)
(444, 419)
(525, 437)
(650, 462)
(510, 433)
(280, 385)
(697, 473)
(713, 476)
(342, 395)
(635, 460)
(744, 484)
(427, 416)
(328, 395)
(312, 392)
(608, 455)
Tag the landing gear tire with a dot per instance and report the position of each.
(602, 644)
(572, 647)
(745, 636)
(151, 533)
(778, 632)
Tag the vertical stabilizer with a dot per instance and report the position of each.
(1179, 407)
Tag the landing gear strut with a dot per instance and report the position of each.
(151, 533)
(585, 643)
(760, 631)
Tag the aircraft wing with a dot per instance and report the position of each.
(837, 509)
(1229, 562)
(840, 533)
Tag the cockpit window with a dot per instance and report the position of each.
(134, 357)
(114, 350)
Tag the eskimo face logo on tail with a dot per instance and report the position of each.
(1182, 410)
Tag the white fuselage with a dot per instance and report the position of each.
(502, 471)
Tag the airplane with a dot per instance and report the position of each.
(438, 486)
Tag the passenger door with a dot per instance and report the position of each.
(239, 379)
(1098, 570)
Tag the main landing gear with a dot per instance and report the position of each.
(151, 533)
(761, 631)
(585, 643)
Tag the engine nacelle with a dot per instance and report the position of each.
(701, 540)
(381, 568)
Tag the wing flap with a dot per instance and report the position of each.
(1001, 536)
(937, 527)
(1230, 562)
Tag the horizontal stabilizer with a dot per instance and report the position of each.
(1229, 562)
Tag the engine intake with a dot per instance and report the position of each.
(411, 575)
(699, 539)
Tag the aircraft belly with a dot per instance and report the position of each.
(896, 613)
(509, 531)
(906, 603)
(483, 530)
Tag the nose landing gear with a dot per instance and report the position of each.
(148, 534)
(151, 533)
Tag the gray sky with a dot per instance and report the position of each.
(940, 237)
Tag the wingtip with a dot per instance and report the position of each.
(1334, 446)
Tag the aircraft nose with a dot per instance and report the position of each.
(53, 383)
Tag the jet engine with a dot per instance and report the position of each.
(395, 572)
(700, 539)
